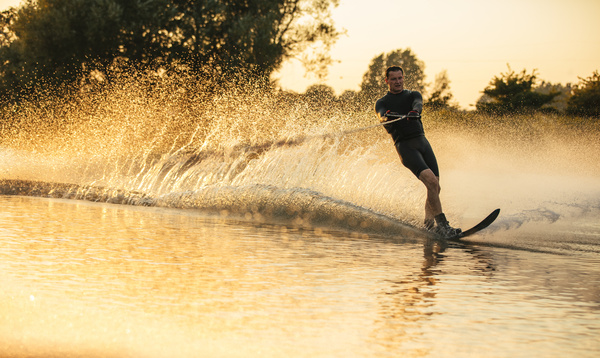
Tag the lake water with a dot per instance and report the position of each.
(93, 279)
(305, 250)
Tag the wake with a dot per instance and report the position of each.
(268, 157)
(255, 203)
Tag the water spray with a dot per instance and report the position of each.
(301, 139)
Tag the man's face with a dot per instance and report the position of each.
(395, 81)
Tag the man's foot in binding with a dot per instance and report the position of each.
(443, 228)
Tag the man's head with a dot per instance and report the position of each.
(394, 77)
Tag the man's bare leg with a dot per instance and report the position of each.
(433, 204)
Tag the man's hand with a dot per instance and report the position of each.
(413, 115)
(386, 117)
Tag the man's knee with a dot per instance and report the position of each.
(430, 180)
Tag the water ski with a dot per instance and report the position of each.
(482, 225)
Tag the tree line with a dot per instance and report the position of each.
(57, 44)
(521, 92)
(510, 92)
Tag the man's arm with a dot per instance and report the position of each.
(381, 111)
(417, 104)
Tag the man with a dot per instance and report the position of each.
(412, 146)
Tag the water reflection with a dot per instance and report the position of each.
(409, 302)
(110, 278)
(104, 280)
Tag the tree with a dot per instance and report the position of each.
(513, 92)
(62, 41)
(8, 56)
(585, 100)
(441, 95)
(7, 19)
(320, 93)
(558, 103)
(373, 84)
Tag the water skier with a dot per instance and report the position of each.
(412, 146)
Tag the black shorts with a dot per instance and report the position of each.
(416, 154)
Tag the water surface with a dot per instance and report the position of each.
(146, 221)
(90, 279)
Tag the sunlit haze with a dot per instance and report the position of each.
(473, 40)
(203, 214)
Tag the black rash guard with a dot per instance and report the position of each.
(402, 103)
(408, 135)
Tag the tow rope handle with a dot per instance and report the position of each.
(398, 117)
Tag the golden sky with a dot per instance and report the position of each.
(5, 4)
(473, 40)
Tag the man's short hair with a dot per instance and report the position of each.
(393, 69)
